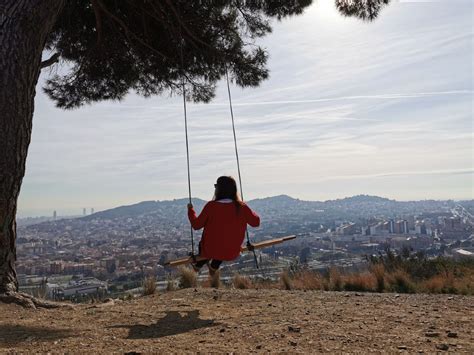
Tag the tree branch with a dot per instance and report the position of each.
(53, 59)
(186, 29)
(98, 21)
(128, 32)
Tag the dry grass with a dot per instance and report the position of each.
(378, 270)
(170, 284)
(215, 280)
(309, 280)
(449, 283)
(365, 282)
(376, 279)
(465, 284)
(438, 284)
(41, 291)
(187, 277)
(335, 279)
(266, 284)
(241, 282)
(149, 285)
(286, 280)
(400, 281)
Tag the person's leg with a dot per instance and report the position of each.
(214, 266)
(199, 264)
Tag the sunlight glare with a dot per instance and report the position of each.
(326, 9)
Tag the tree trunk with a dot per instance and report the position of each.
(24, 27)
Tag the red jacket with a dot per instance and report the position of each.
(224, 228)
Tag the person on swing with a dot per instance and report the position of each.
(224, 220)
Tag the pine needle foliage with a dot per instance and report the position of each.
(154, 46)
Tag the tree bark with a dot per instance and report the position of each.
(24, 27)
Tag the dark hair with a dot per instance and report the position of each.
(226, 187)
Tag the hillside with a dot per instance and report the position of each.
(280, 214)
(207, 320)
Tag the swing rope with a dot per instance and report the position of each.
(187, 141)
(238, 162)
(187, 150)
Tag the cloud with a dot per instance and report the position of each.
(403, 174)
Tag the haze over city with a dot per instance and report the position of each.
(350, 108)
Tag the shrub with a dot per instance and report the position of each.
(128, 297)
(187, 277)
(149, 285)
(215, 280)
(378, 270)
(170, 284)
(295, 267)
(241, 282)
(335, 279)
(286, 280)
(435, 284)
(308, 280)
(400, 282)
(465, 284)
(360, 282)
(448, 283)
(41, 291)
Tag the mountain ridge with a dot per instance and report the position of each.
(147, 205)
(278, 213)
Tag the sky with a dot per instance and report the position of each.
(382, 108)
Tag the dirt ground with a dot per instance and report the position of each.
(208, 320)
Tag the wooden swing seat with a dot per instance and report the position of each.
(264, 244)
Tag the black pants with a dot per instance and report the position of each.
(214, 263)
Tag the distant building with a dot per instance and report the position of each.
(92, 210)
(410, 223)
(74, 289)
(110, 264)
(56, 267)
(376, 228)
(453, 223)
(401, 227)
(462, 254)
(420, 227)
(54, 215)
(391, 226)
(84, 212)
(346, 229)
(79, 268)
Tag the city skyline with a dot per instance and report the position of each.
(84, 211)
(381, 108)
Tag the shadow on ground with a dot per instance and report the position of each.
(14, 334)
(172, 323)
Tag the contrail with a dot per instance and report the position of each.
(328, 99)
(357, 97)
(399, 173)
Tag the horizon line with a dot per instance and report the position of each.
(254, 199)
